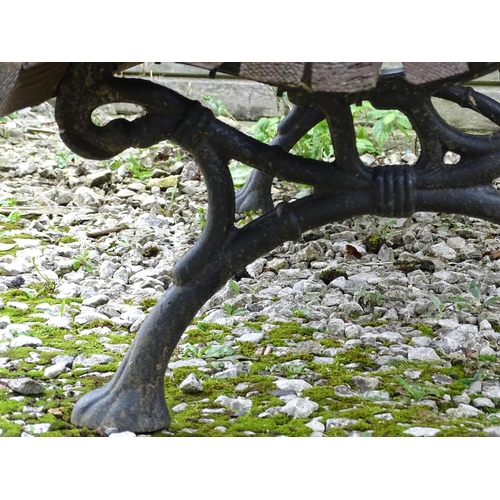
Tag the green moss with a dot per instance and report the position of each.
(374, 242)
(287, 331)
(68, 239)
(148, 303)
(355, 355)
(374, 324)
(99, 323)
(424, 329)
(246, 349)
(330, 274)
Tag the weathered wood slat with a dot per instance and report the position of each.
(419, 72)
(31, 83)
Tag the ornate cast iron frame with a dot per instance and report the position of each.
(134, 399)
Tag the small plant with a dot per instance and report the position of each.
(5, 119)
(64, 158)
(169, 210)
(12, 217)
(416, 391)
(202, 216)
(234, 286)
(436, 302)
(8, 202)
(49, 284)
(475, 302)
(232, 312)
(217, 107)
(375, 240)
(384, 123)
(211, 351)
(369, 298)
(300, 312)
(82, 260)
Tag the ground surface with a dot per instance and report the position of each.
(368, 327)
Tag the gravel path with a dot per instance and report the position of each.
(367, 327)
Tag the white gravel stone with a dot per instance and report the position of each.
(95, 359)
(239, 405)
(55, 370)
(341, 423)
(483, 403)
(299, 408)
(25, 386)
(316, 425)
(191, 384)
(491, 389)
(187, 362)
(59, 322)
(422, 431)
(253, 337)
(464, 410)
(493, 431)
(422, 354)
(296, 385)
(122, 434)
(88, 317)
(384, 416)
(36, 428)
(443, 251)
(25, 341)
(180, 407)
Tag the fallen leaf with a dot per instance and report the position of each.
(350, 250)
(55, 411)
(495, 254)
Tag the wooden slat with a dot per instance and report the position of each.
(31, 83)
(419, 72)
(28, 84)
(286, 74)
(344, 77)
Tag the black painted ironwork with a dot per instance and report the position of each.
(134, 399)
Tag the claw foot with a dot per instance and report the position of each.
(136, 408)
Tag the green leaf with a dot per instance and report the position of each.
(234, 286)
(240, 174)
(459, 300)
(491, 300)
(389, 118)
(475, 289)
(380, 133)
(218, 351)
(365, 146)
(437, 303)
(402, 121)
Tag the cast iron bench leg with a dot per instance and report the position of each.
(256, 193)
(134, 399)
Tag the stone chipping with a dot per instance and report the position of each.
(384, 325)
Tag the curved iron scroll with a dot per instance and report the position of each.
(134, 398)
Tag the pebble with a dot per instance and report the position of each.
(299, 408)
(295, 385)
(341, 423)
(422, 431)
(55, 370)
(239, 405)
(25, 341)
(464, 410)
(422, 354)
(191, 384)
(25, 386)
